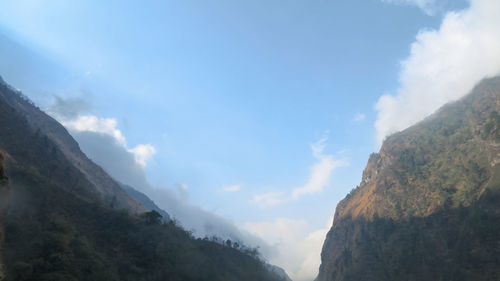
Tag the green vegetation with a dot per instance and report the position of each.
(439, 163)
(492, 127)
(428, 207)
(63, 238)
(456, 244)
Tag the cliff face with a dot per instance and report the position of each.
(428, 204)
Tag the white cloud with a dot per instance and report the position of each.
(108, 126)
(270, 198)
(428, 6)
(142, 153)
(443, 66)
(319, 178)
(321, 171)
(95, 124)
(359, 117)
(232, 188)
(298, 250)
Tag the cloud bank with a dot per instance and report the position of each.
(443, 66)
(298, 250)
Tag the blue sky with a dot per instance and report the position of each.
(234, 106)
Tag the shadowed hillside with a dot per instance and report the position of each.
(46, 126)
(59, 222)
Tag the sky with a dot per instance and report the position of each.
(246, 119)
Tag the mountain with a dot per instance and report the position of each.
(428, 206)
(144, 200)
(46, 126)
(63, 218)
(278, 271)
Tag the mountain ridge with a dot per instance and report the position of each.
(109, 189)
(146, 201)
(56, 224)
(428, 183)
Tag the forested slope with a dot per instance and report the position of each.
(57, 223)
(428, 206)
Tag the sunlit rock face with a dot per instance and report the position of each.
(427, 207)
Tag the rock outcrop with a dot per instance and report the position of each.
(428, 205)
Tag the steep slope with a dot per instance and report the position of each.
(3, 197)
(106, 187)
(428, 204)
(278, 271)
(144, 200)
(55, 224)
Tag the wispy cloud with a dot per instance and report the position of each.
(427, 6)
(443, 66)
(70, 107)
(319, 178)
(359, 117)
(321, 171)
(232, 188)
(270, 198)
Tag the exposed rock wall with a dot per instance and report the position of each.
(427, 206)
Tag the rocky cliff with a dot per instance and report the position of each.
(427, 207)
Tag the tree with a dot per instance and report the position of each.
(152, 217)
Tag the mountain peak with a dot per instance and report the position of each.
(424, 180)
